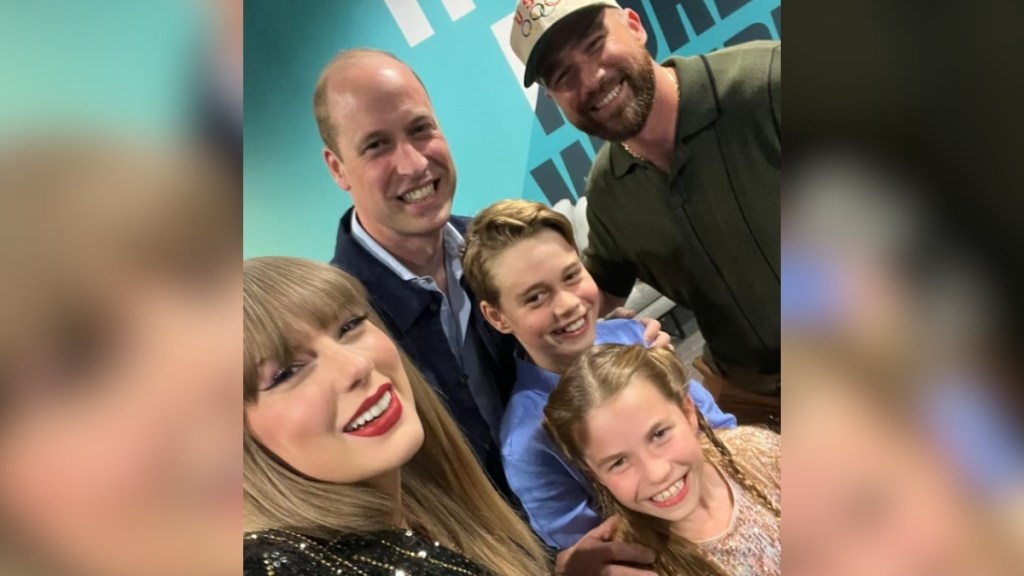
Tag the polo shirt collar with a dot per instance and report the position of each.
(698, 108)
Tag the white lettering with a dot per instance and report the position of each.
(458, 8)
(411, 20)
(502, 29)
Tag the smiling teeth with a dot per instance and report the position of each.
(670, 492)
(608, 97)
(418, 194)
(371, 413)
(573, 327)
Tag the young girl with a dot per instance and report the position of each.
(351, 463)
(706, 502)
(521, 262)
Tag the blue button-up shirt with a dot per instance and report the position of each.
(555, 495)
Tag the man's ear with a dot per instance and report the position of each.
(495, 318)
(337, 169)
(634, 23)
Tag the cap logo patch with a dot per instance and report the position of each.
(529, 11)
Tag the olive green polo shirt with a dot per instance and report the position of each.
(707, 234)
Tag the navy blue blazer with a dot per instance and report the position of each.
(412, 315)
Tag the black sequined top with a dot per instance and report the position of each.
(392, 553)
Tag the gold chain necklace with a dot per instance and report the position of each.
(675, 84)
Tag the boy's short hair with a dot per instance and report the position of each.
(496, 229)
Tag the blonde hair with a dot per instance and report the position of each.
(496, 229)
(444, 492)
(600, 374)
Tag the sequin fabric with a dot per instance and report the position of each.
(752, 544)
(398, 553)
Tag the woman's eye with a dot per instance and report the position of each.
(351, 325)
(282, 376)
(617, 464)
(661, 434)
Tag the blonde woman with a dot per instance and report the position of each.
(351, 463)
(706, 502)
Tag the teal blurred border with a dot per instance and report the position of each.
(105, 66)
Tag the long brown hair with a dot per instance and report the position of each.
(444, 492)
(598, 375)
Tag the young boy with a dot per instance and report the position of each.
(522, 263)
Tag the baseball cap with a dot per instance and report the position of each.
(533, 22)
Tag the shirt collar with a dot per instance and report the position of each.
(453, 243)
(698, 108)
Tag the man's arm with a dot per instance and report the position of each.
(613, 272)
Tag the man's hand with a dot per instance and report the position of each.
(654, 336)
(597, 554)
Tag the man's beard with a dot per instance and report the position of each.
(639, 77)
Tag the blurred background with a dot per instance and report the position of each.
(120, 317)
(165, 69)
(904, 451)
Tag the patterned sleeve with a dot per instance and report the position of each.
(759, 448)
(773, 453)
(766, 448)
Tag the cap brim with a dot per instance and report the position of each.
(528, 77)
(531, 63)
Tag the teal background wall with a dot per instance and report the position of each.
(507, 142)
(104, 66)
